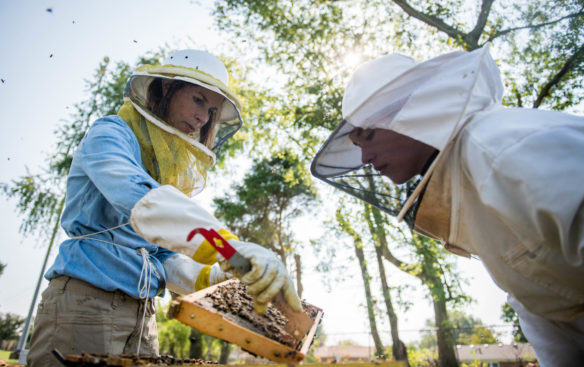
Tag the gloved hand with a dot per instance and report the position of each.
(217, 275)
(185, 276)
(267, 276)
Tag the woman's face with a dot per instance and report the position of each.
(394, 155)
(190, 107)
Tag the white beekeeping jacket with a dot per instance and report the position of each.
(510, 189)
(507, 185)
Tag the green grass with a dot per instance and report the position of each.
(4, 354)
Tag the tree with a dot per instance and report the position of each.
(173, 336)
(2, 266)
(313, 42)
(273, 192)
(196, 344)
(429, 266)
(508, 314)
(463, 326)
(372, 215)
(466, 330)
(181, 341)
(483, 335)
(419, 356)
(399, 349)
(9, 326)
(345, 226)
(543, 42)
(203, 346)
(226, 349)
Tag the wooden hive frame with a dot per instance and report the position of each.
(190, 311)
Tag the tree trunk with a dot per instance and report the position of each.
(358, 245)
(196, 349)
(225, 351)
(398, 348)
(429, 276)
(282, 254)
(379, 352)
(399, 352)
(444, 336)
(298, 262)
(432, 280)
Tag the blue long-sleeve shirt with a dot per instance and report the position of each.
(106, 179)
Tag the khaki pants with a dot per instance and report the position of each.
(75, 317)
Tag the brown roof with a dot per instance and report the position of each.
(496, 352)
(344, 351)
(336, 352)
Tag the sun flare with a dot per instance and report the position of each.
(351, 60)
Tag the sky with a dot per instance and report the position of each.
(50, 48)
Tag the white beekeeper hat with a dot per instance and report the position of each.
(338, 154)
(195, 67)
(429, 101)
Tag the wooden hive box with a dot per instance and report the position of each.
(197, 311)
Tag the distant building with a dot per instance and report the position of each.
(344, 353)
(240, 356)
(325, 354)
(492, 355)
(498, 355)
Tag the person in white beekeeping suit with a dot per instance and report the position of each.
(501, 184)
(129, 211)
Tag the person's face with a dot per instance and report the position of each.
(396, 156)
(190, 108)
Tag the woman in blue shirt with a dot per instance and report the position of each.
(142, 166)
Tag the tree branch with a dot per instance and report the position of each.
(403, 266)
(533, 26)
(431, 20)
(380, 240)
(570, 64)
(518, 96)
(475, 34)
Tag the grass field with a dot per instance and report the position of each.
(4, 354)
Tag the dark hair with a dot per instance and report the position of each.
(158, 103)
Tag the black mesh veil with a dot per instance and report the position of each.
(338, 163)
(228, 119)
(365, 184)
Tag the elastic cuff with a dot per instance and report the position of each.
(206, 254)
(228, 235)
(203, 278)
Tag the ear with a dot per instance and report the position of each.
(165, 85)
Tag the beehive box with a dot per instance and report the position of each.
(113, 360)
(208, 312)
(94, 361)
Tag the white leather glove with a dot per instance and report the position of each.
(217, 275)
(185, 276)
(267, 276)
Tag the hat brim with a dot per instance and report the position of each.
(338, 154)
(338, 163)
(229, 110)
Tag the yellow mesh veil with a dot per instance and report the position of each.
(168, 158)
